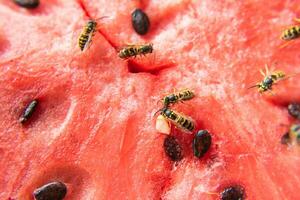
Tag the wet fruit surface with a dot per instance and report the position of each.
(97, 110)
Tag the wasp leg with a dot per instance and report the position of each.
(130, 44)
(160, 100)
(297, 20)
(286, 44)
(181, 101)
(272, 93)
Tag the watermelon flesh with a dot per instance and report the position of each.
(94, 128)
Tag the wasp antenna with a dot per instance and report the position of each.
(285, 44)
(103, 17)
(158, 101)
(297, 20)
(158, 111)
(253, 86)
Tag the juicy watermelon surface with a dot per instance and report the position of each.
(94, 127)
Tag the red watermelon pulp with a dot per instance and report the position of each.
(94, 128)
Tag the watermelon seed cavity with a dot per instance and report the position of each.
(140, 21)
(27, 3)
(233, 193)
(51, 191)
(173, 149)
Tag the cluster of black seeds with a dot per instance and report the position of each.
(28, 3)
(233, 193)
(51, 191)
(173, 149)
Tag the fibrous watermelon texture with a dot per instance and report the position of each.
(94, 129)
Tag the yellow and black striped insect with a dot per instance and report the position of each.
(294, 133)
(177, 119)
(132, 50)
(290, 33)
(179, 96)
(87, 34)
(270, 78)
(292, 136)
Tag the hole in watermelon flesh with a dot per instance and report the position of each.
(135, 67)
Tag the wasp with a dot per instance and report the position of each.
(179, 96)
(291, 33)
(177, 119)
(132, 50)
(270, 78)
(294, 133)
(87, 33)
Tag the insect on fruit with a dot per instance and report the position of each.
(270, 78)
(30, 108)
(177, 119)
(179, 96)
(201, 143)
(132, 50)
(27, 3)
(86, 35)
(291, 33)
(292, 136)
(140, 21)
(51, 191)
(294, 133)
(88, 31)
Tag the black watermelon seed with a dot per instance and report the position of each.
(285, 139)
(294, 110)
(51, 191)
(140, 21)
(173, 149)
(201, 143)
(27, 3)
(233, 193)
(30, 108)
